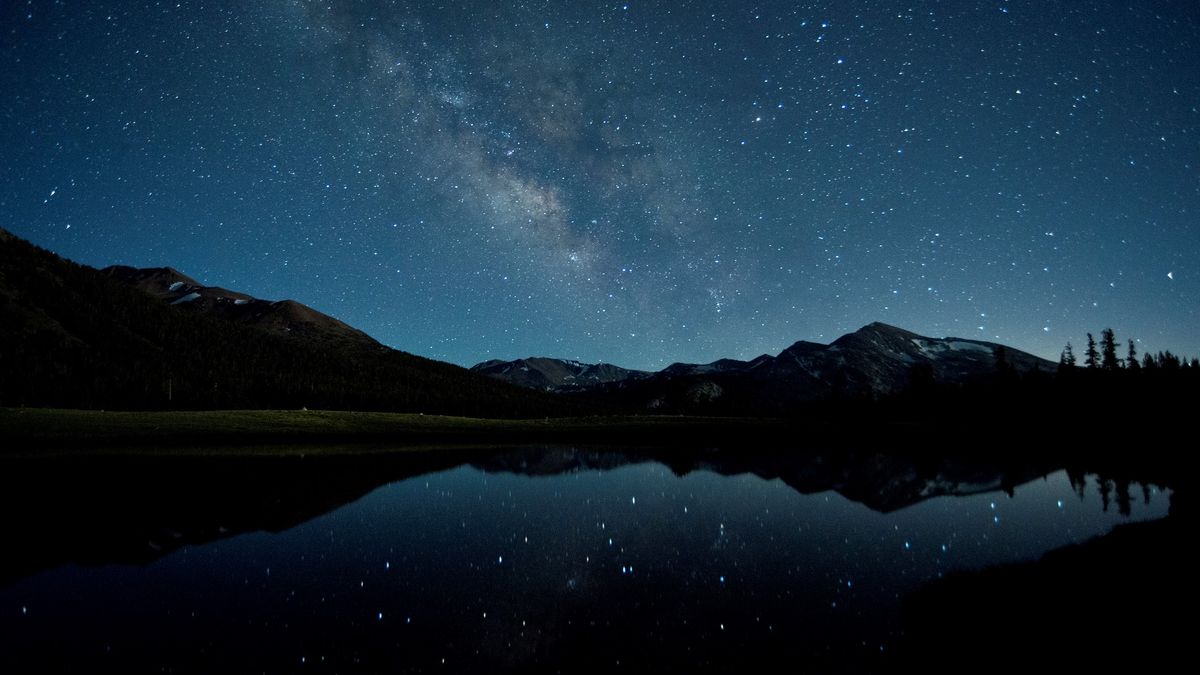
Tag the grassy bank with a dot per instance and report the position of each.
(24, 430)
(43, 432)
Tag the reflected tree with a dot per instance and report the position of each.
(1078, 482)
(1106, 488)
(1124, 502)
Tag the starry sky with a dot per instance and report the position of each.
(637, 183)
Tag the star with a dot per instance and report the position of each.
(521, 155)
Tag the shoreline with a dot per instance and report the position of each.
(25, 430)
(51, 432)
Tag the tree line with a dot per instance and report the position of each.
(1103, 357)
(1066, 403)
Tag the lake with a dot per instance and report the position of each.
(542, 560)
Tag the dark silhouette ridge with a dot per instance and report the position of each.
(155, 339)
(283, 317)
(875, 361)
(73, 336)
(555, 374)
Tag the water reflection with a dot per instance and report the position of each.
(135, 510)
(95, 511)
(521, 560)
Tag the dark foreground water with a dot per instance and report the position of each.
(543, 561)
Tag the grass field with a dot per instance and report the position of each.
(42, 432)
(29, 429)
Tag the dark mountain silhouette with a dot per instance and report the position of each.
(283, 317)
(74, 336)
(877, 360)
(556, 374)
(149, 339)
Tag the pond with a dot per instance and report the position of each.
(539, 560)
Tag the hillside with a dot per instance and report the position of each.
(282, 317)
(74, 336)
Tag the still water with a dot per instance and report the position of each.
(543, 560)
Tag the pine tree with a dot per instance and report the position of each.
(1091, 358)
(1168, 361)
(1131, 361)
(1108, 350)
(1066, 360)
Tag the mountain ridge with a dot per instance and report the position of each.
(73, 336)
(876, 360)
(277, 316)
(156, 337)
(552, 374)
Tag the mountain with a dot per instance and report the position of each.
(74, 336)
(876, 360)
(127, 338)
(883, 359)
(556, 374)
(283, 317)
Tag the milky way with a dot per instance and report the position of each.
(635, 182)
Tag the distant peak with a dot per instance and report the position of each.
(881, 327)
(885, 329)
(139, 275)
(802, 345)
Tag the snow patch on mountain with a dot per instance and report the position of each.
(875, 360)
(964, 346)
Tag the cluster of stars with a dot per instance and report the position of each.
(635, 183)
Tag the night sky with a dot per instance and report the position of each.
(637, 183)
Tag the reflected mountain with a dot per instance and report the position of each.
(136, 510)
(881, 482)
(97, 511)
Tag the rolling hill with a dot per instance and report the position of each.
(122, 338)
